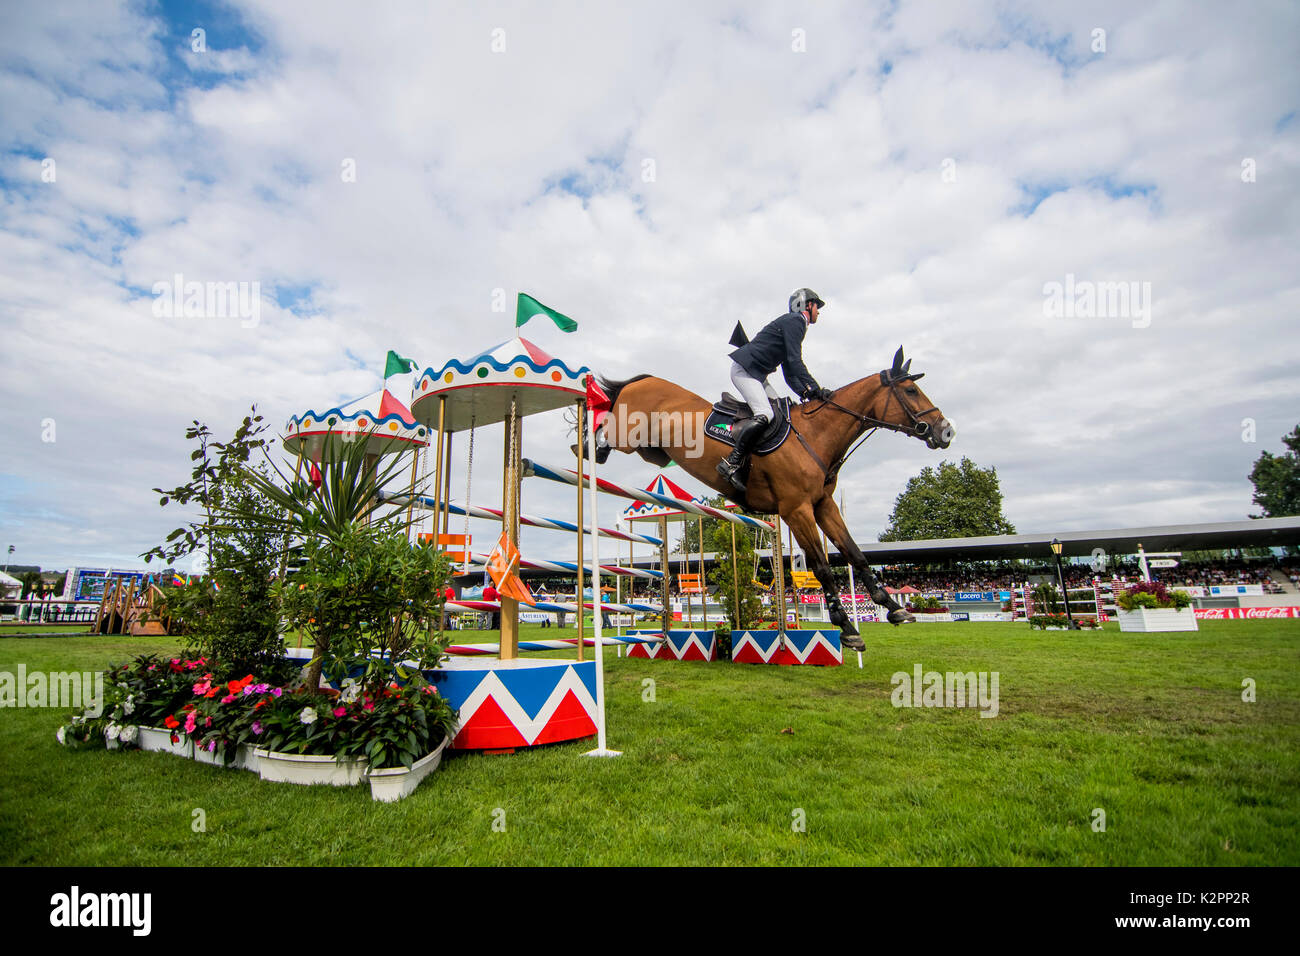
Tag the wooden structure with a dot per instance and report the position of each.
(124, 609)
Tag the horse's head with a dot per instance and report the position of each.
(908, 408)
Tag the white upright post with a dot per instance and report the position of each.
(853, 590)
(601, 750)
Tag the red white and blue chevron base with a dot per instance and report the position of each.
(505, 705)
(685, 645)
(819, 647)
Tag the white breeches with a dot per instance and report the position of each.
(757, 394)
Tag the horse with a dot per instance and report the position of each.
(797, 480)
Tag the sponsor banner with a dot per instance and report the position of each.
(992, 616)
(960, 616)
(1229, 590)
(809, 598)
(1193, 591)
(1243, 613)
(979, 596)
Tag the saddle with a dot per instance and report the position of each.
(727, 412)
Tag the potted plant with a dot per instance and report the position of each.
(395, 733)
(929, 609)
(150, 689)
(1150, 606)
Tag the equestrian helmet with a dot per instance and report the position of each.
(802, 298)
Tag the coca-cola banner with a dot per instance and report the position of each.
(1233, 613)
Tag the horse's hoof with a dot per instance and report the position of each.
(900, 617)
(852, 642)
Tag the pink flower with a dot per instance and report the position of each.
(212, 746)
(228, 698)
(202, 688)
(257, 728)
(340, 711)
(276, 692)
(190, 723)
(207, 722)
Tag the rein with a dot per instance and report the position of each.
(866, 421)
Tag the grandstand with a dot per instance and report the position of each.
(999, 564)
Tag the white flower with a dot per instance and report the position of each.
(61, 735)
(128, 706)
(350, 690)
(308, 715)
(112, 731)
(128, 734)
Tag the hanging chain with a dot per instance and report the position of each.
(469, 471)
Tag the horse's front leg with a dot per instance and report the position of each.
(805, 532)
(832, 522)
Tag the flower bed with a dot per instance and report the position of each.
(286, 733)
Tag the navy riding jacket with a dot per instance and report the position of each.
(779, 344)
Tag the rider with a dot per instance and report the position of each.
(779, 344)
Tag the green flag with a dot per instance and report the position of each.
(529, 307)
(396, 365)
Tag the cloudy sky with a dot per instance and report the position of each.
(656, 171)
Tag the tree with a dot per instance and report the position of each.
(735, 583)
(952, 501)
(1277, 480)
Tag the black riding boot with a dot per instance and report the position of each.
(747, 434)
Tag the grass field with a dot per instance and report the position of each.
(1152, 729)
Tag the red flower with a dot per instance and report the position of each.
(171, 722)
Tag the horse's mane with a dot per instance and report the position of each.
(613, 386)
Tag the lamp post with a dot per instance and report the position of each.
(1060, 576)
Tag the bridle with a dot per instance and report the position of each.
(916, 427)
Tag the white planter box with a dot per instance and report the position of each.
(160, 739)
(1146, 620)
(243, 759)
(203, 756)
(310, 769)
(394, 783)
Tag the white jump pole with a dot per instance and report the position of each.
(853, 590)
(596, 617)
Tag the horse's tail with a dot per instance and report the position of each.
(613, 386)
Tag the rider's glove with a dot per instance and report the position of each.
(825, 394)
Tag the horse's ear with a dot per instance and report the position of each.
(898, 360)
(917, 376)
(903, 371)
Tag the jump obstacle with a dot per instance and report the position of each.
(506, 701)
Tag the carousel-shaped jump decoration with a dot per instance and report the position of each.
(379, 421)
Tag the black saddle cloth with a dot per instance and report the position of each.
(727, 412)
